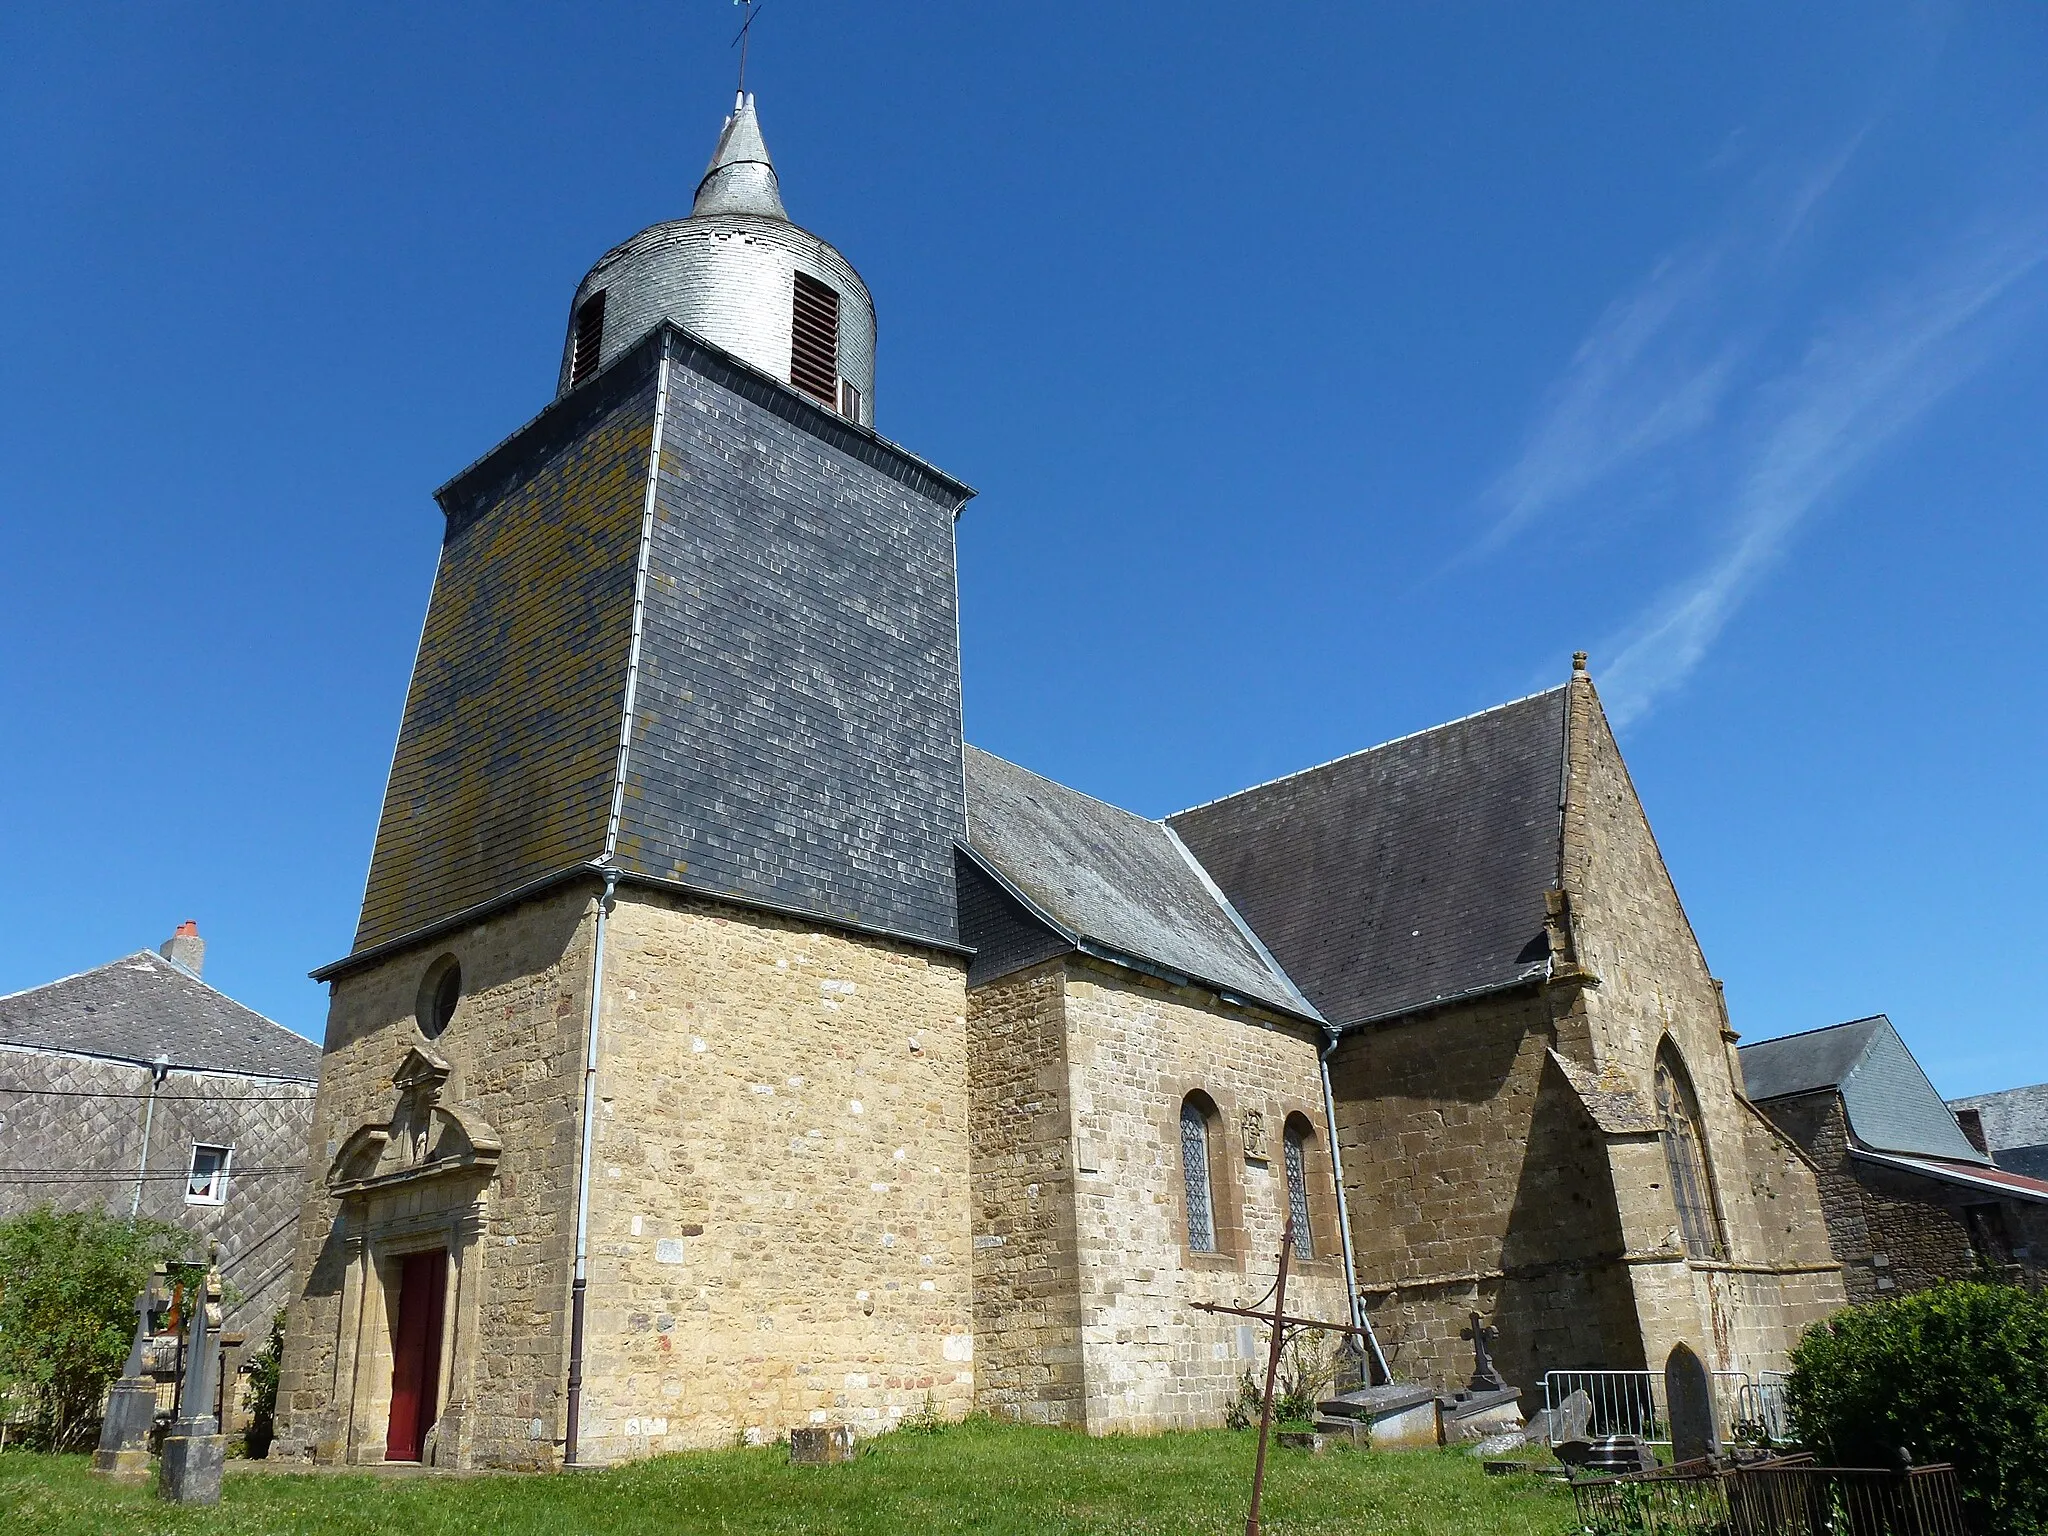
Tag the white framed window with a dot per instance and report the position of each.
(207, 1184)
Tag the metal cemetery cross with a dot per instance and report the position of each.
(1282, 1326)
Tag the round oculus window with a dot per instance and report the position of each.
(440, 991)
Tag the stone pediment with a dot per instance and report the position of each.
(423, 1139)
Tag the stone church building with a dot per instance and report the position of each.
(726, 1047)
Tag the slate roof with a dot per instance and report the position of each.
(2015, 1127)
(140, 1007)
(1404, 875)
(1114, 879)
(1891, 1105)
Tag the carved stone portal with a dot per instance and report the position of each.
(423, 1139)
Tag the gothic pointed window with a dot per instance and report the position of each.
(1294, 1152)
(1685, 1157)
(1194, 1169)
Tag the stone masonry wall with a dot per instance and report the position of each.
(1892, 1233)
(1476, 1182)
(779, 1211)
(1627, 927)
(1136, 1048)
(1027, 1304)
(515, 1047)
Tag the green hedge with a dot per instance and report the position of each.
(68, 1282)
(1957, 1374)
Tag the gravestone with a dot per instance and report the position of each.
(195, 1451)
(818, 1445)
(123, 1452)
(1572, 1419)
(1689, 1400)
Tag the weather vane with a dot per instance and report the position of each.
(740, 38)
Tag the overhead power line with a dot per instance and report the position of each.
(164, 1098)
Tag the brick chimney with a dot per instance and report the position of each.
(1972, 1123)
(185, 948)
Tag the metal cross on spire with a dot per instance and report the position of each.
(740, 38)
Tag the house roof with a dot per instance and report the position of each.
(1891, 1105)
(1113, 879)
(1408, 874)
(2015, 1124)
(141, 1007)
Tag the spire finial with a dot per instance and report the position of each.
(741, 177)
(1578, 663)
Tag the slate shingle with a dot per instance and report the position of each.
(140, 1007)
(1114, 878)
(1891, 1104)
(1404, 875)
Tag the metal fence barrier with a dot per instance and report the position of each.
(1632, 1402)
(1788, 1497)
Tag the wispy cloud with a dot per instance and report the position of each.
(1694, 378)
(1864, 379)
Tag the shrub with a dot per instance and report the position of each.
(68, 1283)
(1307, 1367)
(263, 1369)
(1958, 1374)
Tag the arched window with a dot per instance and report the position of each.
(1194, 1169)
(1294, 1143)
(1685, 1156)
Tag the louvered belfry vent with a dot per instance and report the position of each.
(589, 338)
(814, 340)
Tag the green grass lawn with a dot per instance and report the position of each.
(971, 1477)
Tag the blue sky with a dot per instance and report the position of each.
(1327, 373)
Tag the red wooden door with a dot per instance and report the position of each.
(416, 1354)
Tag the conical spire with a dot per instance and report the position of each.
(741, 177)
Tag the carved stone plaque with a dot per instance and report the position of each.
(1254, 1127)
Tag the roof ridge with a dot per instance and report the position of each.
(1392, 741)
(175, 969)
(1967, 1099)
(90, 970)
(1244, 928)
(1820, 1029)
(1043, 778)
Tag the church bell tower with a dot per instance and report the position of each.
(652, 1036)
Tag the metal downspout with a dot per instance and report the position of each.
(1358, 1317)
(581, 1283)
(158, 1070)
(644, 557)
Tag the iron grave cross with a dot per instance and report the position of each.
(1281, 1326)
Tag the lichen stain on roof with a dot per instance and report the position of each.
(510, 738)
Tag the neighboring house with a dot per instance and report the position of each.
(2010, 1127)
(1538, 1113)
(138, 1088)
(1910, 1199)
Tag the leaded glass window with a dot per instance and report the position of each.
(1685, 1158)
(1194, 1169)
(1294, 1149)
